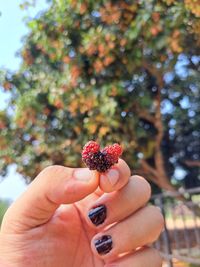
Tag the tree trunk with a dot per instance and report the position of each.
(157, 173)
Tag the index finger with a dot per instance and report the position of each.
(115, 178)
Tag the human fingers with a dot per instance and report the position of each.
(141, 258)
(139, 229)
(116, 206)
(120, 172)
(54, 186)
(115, 178)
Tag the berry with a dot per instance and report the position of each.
(90, 148)
(113, 152)
(100, 160)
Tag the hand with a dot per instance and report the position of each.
(38, 231)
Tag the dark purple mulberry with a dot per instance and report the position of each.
(100, 160)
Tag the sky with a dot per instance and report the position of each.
(12, 29)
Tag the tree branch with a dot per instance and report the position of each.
(191, 163)
(159, 171)
(154, 72)
(144, 114)
(145, 165)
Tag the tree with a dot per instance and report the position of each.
(113, 71)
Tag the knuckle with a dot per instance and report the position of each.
(52, 170)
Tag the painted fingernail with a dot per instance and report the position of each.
(104, 244)
(98, 214)
(113, 176)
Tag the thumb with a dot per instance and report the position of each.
(54, 186)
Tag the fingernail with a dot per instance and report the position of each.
(98, 214)
(113, 176)
(103, 245)
(83, 174)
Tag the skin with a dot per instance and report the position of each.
(48, 225)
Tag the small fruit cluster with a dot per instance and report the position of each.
(100, 160)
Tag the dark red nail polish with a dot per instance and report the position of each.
(104, 244)
(98, 214)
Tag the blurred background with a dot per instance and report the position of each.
(111, 71)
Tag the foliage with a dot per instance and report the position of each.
(3, 208)
(115, 71)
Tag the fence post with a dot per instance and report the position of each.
(159, 202)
